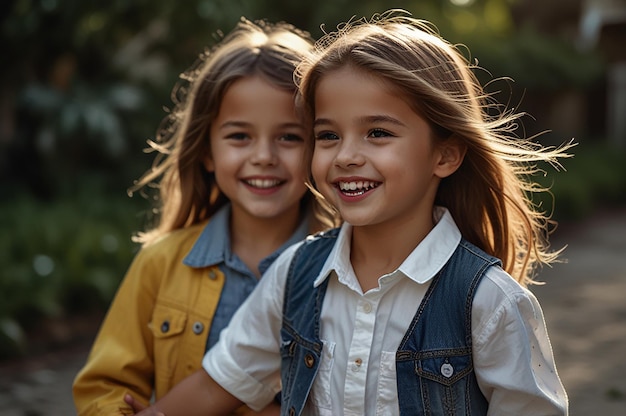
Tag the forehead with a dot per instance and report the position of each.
(356, 91)
(352, 77)
(255, 90)
(256, 101)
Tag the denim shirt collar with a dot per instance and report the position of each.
(213, 245)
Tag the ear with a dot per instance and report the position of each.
(451, 154)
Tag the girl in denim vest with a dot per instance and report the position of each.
(418, 304)
(231, 197)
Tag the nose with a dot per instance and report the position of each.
(349, 153)
(264, 152)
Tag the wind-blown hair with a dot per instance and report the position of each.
(186, 193)
(489, 195)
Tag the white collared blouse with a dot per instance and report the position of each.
(512, 354)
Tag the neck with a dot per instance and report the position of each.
(380, 249)
(253, 238)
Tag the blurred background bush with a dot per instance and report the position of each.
(85, 83)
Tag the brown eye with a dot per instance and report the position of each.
(379, 133)
(237, 136)
(326, 135)
(291, 138)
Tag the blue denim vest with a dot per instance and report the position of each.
(435, 374)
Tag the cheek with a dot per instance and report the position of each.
(224, 164)
(296, 163)
(318, 169)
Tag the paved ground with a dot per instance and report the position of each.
(584, 302)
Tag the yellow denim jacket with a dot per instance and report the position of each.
(164, 310)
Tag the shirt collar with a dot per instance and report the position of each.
(213, 245)
(421, 265)
(434, 251)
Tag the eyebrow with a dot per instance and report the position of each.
(379, 118)
(245, 124)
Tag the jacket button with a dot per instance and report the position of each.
(165, 326)
(197, 328)
(212, 274)
(309, 360)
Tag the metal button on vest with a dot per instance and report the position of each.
(447, 370)
(165, 326)
(212, 274)
(309, 360)
(197, 328)
(292, 411)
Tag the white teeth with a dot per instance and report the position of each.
(263, 183)
(360, 186)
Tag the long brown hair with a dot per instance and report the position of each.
(488, 196)
(186, 193)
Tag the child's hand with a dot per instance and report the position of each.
(140, 408)
(150, 411)
(271, 410)
(136, 405)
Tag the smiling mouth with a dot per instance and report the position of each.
(264, 183)
(357, 188)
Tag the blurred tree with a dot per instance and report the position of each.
(87, 80)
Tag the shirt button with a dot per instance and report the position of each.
(212, 274)
(165, 326)
(197, 328)
(367, 307)
(309, 360)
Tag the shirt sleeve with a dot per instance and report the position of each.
(513, 357)
(246, 359)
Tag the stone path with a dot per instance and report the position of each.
(584, 302)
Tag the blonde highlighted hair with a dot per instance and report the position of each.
(186, 193)
(489, 195)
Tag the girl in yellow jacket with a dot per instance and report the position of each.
(231, 169)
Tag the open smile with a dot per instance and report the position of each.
(356, 188)
(264, 183)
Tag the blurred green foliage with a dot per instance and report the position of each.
(87, 83)
(61, 257)
(594, 177)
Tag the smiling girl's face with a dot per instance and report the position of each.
(257, 150)
(375, 158)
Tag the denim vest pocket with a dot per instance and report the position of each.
(445, 367)
(441, 378)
